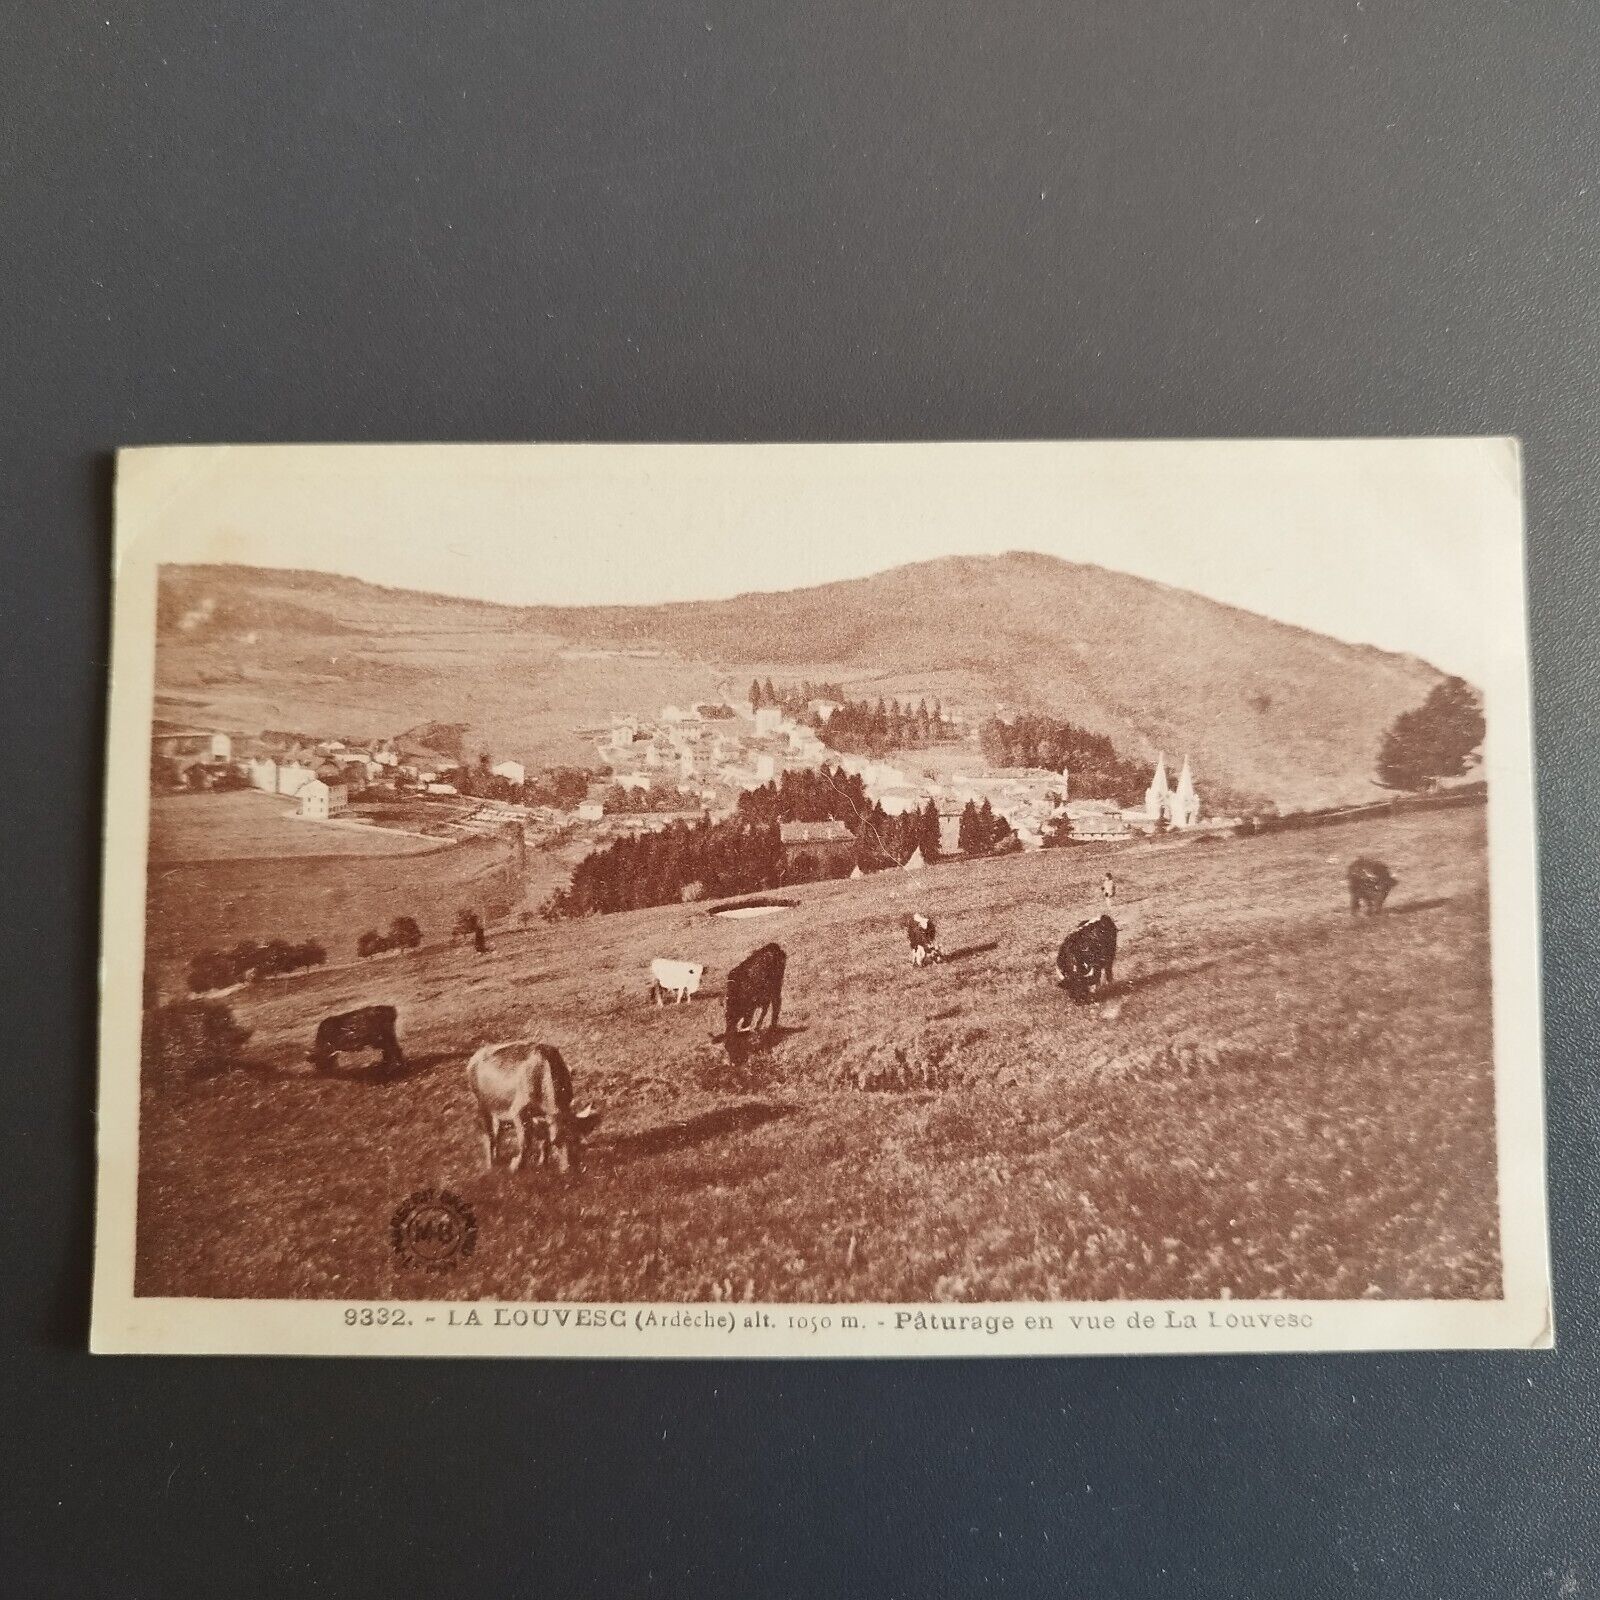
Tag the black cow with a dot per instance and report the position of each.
(1085, 959)
(369, 1028)
(755, 995)
(923, 938)
(1370, 882)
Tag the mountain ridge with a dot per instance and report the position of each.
(1269, 711)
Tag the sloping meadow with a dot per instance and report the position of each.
(1274, 1100)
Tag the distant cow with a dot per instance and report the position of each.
(680, 979)
(1086, 957)
(528, 1084)
(1370, 882)
(755, 994)
(923, 939)
(369, 1028)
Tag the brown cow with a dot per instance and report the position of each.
(527, 1083)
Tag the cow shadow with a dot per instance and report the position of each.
(761, 1041)
(717, 1124)
(1406, 907)
(366, 1072)
(969, 950)
(1146, 981)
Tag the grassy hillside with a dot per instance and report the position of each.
(1279, 1101)
(1267, 711)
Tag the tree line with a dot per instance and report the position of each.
(794, 699)
(1094, 766)
(745, 854)
(858, 727)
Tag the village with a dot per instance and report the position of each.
(676, 765)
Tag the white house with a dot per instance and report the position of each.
(897, 802)
(322, 800)
(293, 776)
(591, 811)
(440, 788)
(768, 719)
(263, 772)
(190, 744)
(511, 771)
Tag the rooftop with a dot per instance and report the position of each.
(832, 832)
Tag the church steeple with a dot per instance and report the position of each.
(1185, 804)
(1158, 795)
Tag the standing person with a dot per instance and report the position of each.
(1108, 893)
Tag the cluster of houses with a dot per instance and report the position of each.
(319, 775)
(710, 752)
(713, 752)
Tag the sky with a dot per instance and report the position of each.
(1404, 544)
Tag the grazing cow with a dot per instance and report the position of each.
(755, 995)
(528, 1084)
(923, 939)
(1370, 882)
(680, 979)
(1084, 961)
(369, 1028)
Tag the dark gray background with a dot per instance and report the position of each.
(835, 220)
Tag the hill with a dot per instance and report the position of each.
(1268, 712)
(1300, 1104)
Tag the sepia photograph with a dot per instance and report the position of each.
(776, 900)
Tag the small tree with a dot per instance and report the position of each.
(1058, 831)
(972, 841)
(1436, 740)
(370, 943)
(404, 934)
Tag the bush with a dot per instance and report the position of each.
(194, 1038)
(404, 934)
(370, 943)
(249, 960)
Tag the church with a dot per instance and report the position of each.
(1178, 805)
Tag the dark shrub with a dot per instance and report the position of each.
(370, 943)
(404, 934)
(194, 1038)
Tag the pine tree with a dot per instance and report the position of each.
(990, 832)
(972, 842)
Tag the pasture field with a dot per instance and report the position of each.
(248, 823)
(1277, 1101)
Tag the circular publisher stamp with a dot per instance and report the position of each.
(433, 1230)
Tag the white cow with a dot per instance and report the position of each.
(680, 979)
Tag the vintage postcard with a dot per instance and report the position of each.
(837, 900)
